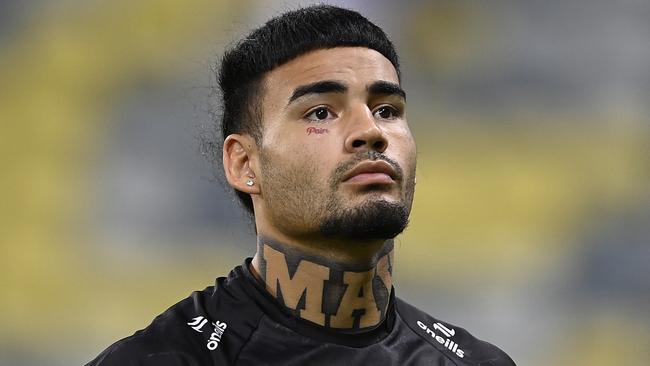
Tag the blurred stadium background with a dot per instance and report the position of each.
(532, 218)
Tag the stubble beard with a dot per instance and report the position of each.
(375, 219)
(297, 207)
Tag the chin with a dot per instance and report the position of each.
(371, 219)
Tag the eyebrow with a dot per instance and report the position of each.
(386, 88)
(379, 87)
(319, 87)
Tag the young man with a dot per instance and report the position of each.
(317, 147)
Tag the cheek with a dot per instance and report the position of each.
(402, 145)
(309, 151)
(403, 150)
(310, 138)
(322, 152)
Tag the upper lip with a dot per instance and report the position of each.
(378, 166)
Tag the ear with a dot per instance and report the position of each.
(239, 163)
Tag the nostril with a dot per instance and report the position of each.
(358, 143)
(379, 145)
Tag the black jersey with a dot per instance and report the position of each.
(237, 322)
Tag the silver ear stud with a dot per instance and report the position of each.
(250, 182)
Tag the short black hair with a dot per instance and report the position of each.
(277, 42)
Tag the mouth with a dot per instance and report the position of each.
(371, 172)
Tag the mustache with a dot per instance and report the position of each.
(344, 167)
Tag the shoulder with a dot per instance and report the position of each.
(143, 350)
(166, 341)
(455, 342)
(208, 327)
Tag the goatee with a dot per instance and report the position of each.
(375, 219)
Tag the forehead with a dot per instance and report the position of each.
(355, 66)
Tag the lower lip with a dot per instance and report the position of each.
(371, 178)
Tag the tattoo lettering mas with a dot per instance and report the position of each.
(358, 298)
(307, 281)
(385, 270)
(316, 130)
(324, 294)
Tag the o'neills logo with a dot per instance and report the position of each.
(218, 329)
(215, 337)
(446, 342)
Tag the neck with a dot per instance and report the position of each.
(334, 293)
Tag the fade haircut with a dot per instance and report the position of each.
(277, 42)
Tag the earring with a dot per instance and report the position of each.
(250, 182)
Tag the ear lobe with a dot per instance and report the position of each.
(237, 156)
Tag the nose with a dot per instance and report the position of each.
(365, 134)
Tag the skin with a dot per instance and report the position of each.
(331, 281)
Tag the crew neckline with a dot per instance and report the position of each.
(279, 313)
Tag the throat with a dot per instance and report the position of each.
(326, 292)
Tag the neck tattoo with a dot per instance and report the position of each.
(324, 292)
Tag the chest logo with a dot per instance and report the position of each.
(198, 323)
(446, 331)
(443, 336)
(218, 329)
(217, 333)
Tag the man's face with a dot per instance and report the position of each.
(337, 156)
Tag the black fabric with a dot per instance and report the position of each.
(236, 322)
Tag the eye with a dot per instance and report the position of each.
(319, 114)
(386, 112)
